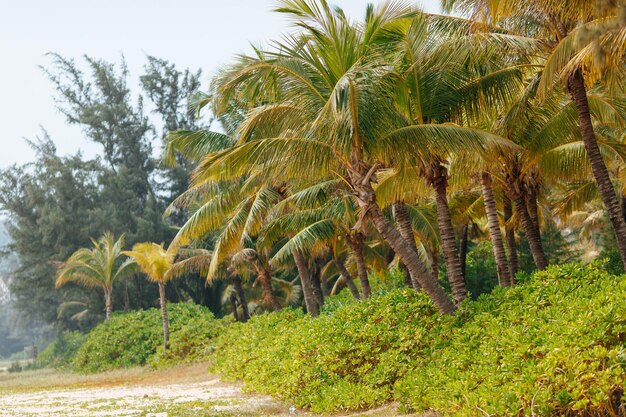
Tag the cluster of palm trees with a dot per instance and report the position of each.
(351, 144)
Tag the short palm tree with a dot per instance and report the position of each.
(97, 267)
(160, 266)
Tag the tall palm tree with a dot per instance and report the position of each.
(97, 267)
(574, 58)
(328, 103)
(161, 266)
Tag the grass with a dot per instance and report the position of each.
(51, 379)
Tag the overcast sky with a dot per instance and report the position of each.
(190, 33)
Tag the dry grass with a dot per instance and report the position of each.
(47, 379)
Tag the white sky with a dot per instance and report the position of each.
(191, 33)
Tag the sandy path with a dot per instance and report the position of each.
(144, 394)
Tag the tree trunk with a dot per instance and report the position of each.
(510, 239)
(126, 296)
(357, 243)
(448, 241)
(108, 303)
(361, 176)
(245, 316)
(434, 263)
(411, 260)
(138, 291)
(534, 240)
(307, 288)
(166, 324)
(233, 305)
(577, 89)
(495, 233)
(533, 209)
(463, 248)
(401, 216)
(347, 278)
(318, 293)
(624, 207)
(269, 297)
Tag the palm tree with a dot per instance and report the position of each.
(328, 103)
(574, 59)
(160, 266)
(97, 267)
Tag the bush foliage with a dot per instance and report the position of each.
(135, 338)
(554, 345)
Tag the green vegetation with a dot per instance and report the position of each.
(552, 345)
(133, 338)
(465, 151)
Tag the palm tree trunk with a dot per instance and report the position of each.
(624, 207)
(411, 260)
(137, 283)
(463, 248)
(318, 293)
(269, 297)
(356, 242)
(448, 241)
(233, 305)
(245, 316)
(361, 181)
(166, 325)
(533, 209)
(307, 288)
(578, 91)
(401, 216)
(108, 304)
(347, 278)
(534, 239)
(510, 238)
(434, 263)
(495, 233)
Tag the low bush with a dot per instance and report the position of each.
(135, 338)
(59, 353)
(554, 345)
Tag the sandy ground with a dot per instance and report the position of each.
(176, 392)
(182, 391)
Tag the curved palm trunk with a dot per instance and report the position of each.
(269, 296)
(411, 260)
(578, 91)
(448, 241)
(166, 324)
(307, 288)
(245, 316)
(108, 303)
(534, 239)
(318, 293)
(463, 248)
(401, 216)
(356, 242)
(533, 209)
(361, 178)
(510, 239)
(495, 234)
(347, 278)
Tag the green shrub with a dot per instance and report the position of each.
(134, 338)
(60, 351)
(550, 346)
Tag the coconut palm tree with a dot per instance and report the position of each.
(328, 103)
(575, 58)
(161, 266)
(97, 267)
